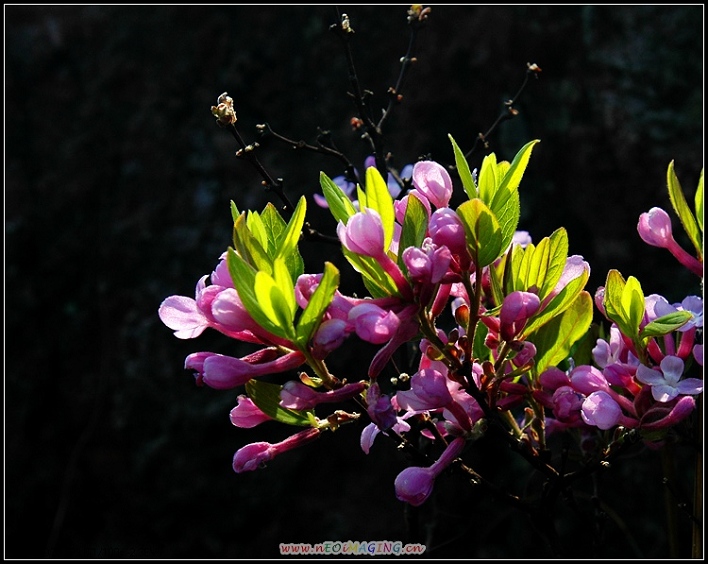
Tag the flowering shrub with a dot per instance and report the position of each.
(503, 324)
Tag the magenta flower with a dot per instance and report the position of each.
(427, 264)
(432, 390)
(666, 383)
(516, 310)
(654, 228)
(225, 372)
(446, 229)
(373, 324)
(256, 455)
(415, 484)
(433, 181)
(665, 415)
(246, 414)
(296, 395)
(329, 336)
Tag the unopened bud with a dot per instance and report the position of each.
(533, 67)
(224, 111)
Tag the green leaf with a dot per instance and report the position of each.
(622, 303)
(257, 228)
(415, 226)
(542, 265)
(463, 169)
(266, 396)
(678, 201)
(274, 301)
(507, 213)
(377, 281)
(484, 237)
(249, 248)
(274, 226)
(339, 203)
(558, 304)
(293, 230)
(480, 350)
(555, 339)
(699, 204)
(321, 298)
(379, 198)
(633, 305)
(234, 211)
(513, 176)
(487, 181)
(244, 279)
(665, 324)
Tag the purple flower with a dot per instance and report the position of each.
(415, 484)
(666, 383)
(692, 304)
(329, 336)
(256, 455)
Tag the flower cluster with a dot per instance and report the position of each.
(496, 318)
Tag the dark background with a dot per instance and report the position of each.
(117, 190)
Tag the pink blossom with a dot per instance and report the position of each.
(256, 455)
(246, 414)
(600, 410)
(296, 395)
(446, 229)
(415, 484)
(433, 181)
(516, 310)
(363, 234)
(225, 372)
(654, 228)
(373, 324)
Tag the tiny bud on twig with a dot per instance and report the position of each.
(224, 111)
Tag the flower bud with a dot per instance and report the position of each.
(433, 181)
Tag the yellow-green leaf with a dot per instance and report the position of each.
(678, 201)
(463, 169)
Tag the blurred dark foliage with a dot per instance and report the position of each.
(117, 189)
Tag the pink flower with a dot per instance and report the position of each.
(600, 410)
(516, 310)
(445, 228)
(256, 455)
(225, 372)
(363, 234)
(373, 324)
(433, 181)
(296, 395)
(654, 228)
(415, 484)
(246, 414)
